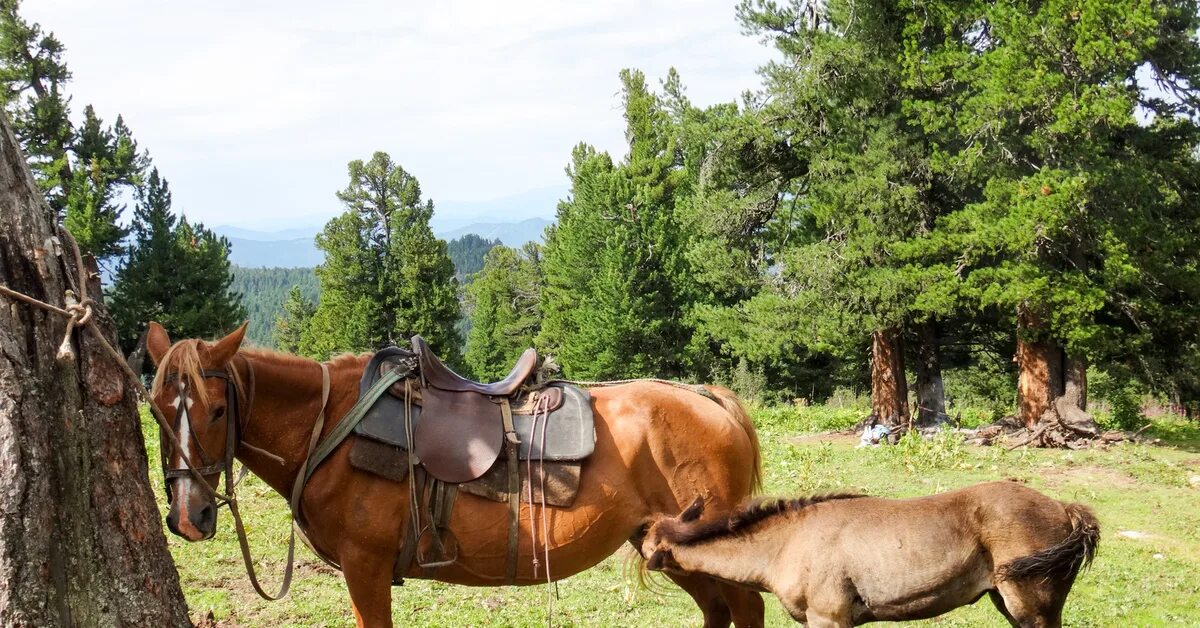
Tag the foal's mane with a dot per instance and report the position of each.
(741, 518)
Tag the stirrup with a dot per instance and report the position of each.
(437, 563)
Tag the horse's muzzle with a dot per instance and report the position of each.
(199, 525)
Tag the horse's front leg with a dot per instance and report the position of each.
(369, 578)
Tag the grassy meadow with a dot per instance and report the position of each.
(1147, 571)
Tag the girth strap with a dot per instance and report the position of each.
(511, 446)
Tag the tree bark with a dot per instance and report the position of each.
(1051, 385)
(889, 389)
(931, 393)
(81, 543)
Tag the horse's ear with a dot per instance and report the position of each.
(224, 349)
(694, 511)
(157, 342)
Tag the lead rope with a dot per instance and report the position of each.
(79, 314)
(294, 504)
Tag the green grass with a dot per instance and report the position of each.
(1152, 581)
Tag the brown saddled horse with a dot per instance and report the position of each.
(657, 446)
(847, 559)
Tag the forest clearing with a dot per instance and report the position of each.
(1147, 572)
(968, 231)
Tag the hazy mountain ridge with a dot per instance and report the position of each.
(294, 247)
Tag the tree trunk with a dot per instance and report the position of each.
(81, 543)
(1051, 385)
(889, 390)
(931, 394)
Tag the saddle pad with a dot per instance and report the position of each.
(569, 432)
(561, 478)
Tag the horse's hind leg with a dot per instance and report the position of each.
(707, 594)
(998, 601)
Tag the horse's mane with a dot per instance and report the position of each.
(741, 518)
(183, 361)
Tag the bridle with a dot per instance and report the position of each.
(233, 429)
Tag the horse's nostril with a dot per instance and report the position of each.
(205, 519)
(173, 523)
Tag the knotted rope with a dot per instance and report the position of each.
(79, 313)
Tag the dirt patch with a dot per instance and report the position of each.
(208, 621)
(1088, 474)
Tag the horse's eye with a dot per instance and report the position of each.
(218, 413)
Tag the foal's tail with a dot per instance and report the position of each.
(734, 407)
(1064, 560)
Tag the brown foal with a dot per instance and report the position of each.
(845, 559)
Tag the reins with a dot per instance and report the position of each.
(79, 313)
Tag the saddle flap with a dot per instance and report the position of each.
(460, 437)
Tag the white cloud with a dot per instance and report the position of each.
(252, 109)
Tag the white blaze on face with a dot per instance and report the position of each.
(182, 404)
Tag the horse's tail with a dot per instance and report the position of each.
(737, 410)
(1064, 560)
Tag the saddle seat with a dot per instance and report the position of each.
(438, 375)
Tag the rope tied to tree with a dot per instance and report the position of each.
(80, 314)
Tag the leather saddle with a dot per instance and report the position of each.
(461, 433)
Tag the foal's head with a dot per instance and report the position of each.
(192, 389)
(664, 532)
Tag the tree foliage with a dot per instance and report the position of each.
(468, 253)
(503, 302)
(385, 276)
(175, 272)
(297, 312)
(264, 291)
(84, 170)
(616, 282)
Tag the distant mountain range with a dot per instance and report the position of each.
(514, 220)
(294, 247)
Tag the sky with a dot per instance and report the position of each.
(252, 109)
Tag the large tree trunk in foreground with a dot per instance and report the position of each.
(889, 390)
(931, 393)
(81, 543)
(1051, 385)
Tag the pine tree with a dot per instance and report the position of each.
(1082, 219)
(503, 306)
(867, 186)
(290, 325)
(385, 276)
(175, 272)
(83, 170)
(34, 74)
(616, 281)
(108, 161)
